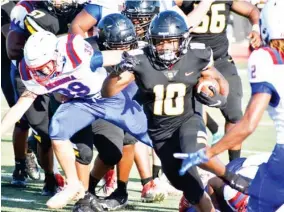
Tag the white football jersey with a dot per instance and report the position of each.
(248, 169)
(266, 67)
(79, 71)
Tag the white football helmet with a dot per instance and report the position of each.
(39, 50)
(271, 21)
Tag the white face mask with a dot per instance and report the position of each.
(60, 61)
(167, 55)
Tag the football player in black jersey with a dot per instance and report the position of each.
(166, 73)
(116, 32)
(212, 32)
(141, 12)
(21, 129)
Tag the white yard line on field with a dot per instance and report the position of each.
(3, 198)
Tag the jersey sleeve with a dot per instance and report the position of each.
(37, 89)
(260, 66)
(94, 10)
(29, 82)
(98, 11)
(80, 52)
(18, 15)
(205, 54)
(96, 60)
(39, 20)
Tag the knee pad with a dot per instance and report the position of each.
(110, 150)
(110, 158)
(83, 153)
(233, 116)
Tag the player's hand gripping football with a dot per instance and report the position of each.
(191, 159)
(127, 63)
(216, 100)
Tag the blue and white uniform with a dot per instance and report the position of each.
(266, 74)
(246, 167)
(80, 78)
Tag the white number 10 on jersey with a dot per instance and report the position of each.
(173, 103)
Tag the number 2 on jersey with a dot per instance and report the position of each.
(173, 103)
(214, 24)
(253, 71)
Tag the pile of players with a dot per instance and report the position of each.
(119, 77)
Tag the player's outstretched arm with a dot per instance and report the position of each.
(247, 10)
(121, 76)
(17, 111)
(82, 23)
(244, 127)
(194, 17)
(115, 83)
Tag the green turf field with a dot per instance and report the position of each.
(29, 199)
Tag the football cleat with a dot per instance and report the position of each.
(59, 180)
(153, 192)
(50, 187)
(171, 191)
(184, 205)
(70, 192)
(110, 182)
(32, 168)
(19, 178)
(89, 203)
(117, 200)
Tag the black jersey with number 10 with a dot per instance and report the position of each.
(167, 93)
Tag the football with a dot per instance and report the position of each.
(204, 83)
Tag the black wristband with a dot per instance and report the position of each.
(236, 181)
